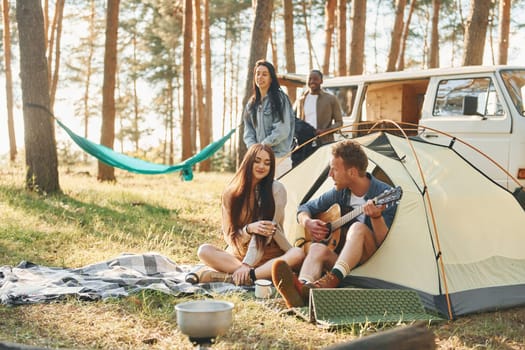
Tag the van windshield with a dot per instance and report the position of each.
(515, 83)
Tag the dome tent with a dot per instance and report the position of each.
(457, 238)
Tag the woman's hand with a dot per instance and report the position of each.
(263, 228)
(241, 276)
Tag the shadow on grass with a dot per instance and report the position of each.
(67, 210)
(502, 330)
(131, 222)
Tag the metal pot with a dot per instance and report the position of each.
(203, 319)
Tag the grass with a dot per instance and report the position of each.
(92, 222)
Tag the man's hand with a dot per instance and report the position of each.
(372, 210)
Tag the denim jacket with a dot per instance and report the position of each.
(270, 130)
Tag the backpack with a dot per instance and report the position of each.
(303, 133)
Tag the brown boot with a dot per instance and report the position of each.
(329, 280)
(287, 284)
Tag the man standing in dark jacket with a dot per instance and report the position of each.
(319, 108)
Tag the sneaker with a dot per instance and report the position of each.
(208, 276)
(287, 284)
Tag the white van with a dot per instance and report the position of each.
(481, 105)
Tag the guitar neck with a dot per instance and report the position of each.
(334, 225)
(384, 199)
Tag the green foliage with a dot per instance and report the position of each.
(68, 154)
(223, 161)
(226, 10)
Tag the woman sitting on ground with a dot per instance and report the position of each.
(252, 224)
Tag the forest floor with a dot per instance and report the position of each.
(92, 222)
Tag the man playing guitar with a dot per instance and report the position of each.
(353, 186)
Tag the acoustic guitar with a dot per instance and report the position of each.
(334, 220)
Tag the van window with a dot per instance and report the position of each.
(346, 96)
(515, 83)
(472, 96)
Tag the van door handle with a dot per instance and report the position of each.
(430, 135)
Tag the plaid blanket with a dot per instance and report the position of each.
(128, 273)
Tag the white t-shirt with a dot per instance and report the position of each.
(355, 202)
(310, 109)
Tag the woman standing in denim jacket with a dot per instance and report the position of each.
(268, 116)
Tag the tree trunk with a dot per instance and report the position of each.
(273, 45)
(491, 37)
(235, 109)
(476, 32)
(171, 123)
(107, 132)
(397, 31)
(166, 124)
(208, 62)
(329, 24)
(57, 27)
(375, 35)
(258, 47)
(46, 21)
(9, 82)
(308, 35)
(225, 75)
(186, 74)
(40, 144)
(356, 62)
(193, 127)
(289, 47)
(50, 40)
(89, 70)
(341, 38)
(120, 119)
(433, 61)
(204, 127)
(404, 37)
(136, 105)
(504, 28)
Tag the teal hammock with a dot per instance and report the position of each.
(139, 166)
